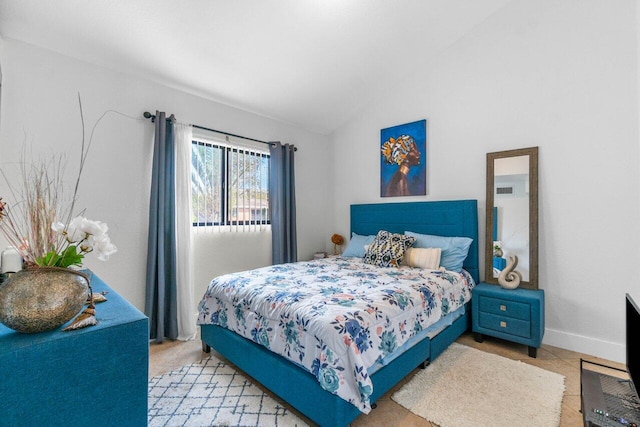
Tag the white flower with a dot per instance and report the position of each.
(86, 235)
(58, 227)
(80, 228)
(94, 228)
(74, 230)
(103, 246)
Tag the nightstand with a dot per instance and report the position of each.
(515, 315)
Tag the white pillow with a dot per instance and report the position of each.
(423, 257)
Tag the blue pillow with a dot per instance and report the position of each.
(454, 249)
(355, 247)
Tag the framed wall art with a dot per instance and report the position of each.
(403, 160)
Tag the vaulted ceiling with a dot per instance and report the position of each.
(311, 63)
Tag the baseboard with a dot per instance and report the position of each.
(587, 345)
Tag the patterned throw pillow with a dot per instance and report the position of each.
(388, 249)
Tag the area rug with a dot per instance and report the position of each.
(211, 393)
(468, 387)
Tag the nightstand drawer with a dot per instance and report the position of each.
(503, 307)
(505, 325)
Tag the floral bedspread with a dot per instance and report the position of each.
(334, 317)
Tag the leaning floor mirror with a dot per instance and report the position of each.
(511, 241)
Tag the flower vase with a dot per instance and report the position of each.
(42, 298)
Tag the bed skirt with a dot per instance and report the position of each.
(301, 389)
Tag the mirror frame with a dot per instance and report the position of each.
(532, 152)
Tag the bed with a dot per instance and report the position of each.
(292, 380)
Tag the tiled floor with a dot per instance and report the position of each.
(172, 355)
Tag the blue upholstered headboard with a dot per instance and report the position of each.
(445, 218)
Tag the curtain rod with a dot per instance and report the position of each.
(148, 115)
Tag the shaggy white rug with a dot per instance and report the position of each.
(210, 393)
(468, 387)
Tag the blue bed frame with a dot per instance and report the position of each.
(297, 386)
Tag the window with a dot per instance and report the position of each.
(229, 185)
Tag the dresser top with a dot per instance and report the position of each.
(113, 312)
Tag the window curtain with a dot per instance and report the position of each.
(282, 203)
(161, 286)
(186, 312)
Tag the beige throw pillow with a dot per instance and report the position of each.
(423, 257)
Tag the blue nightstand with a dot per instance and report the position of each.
(512, 314)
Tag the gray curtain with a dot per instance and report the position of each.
(282, 203)
(161, 302)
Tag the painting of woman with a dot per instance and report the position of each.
(403, 166)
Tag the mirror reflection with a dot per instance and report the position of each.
(511, 214)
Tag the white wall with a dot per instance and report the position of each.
(560, 75)
(39, 104)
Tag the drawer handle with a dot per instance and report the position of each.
(503, 324)
(503, 307)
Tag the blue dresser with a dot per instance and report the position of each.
(94, 376)
(512, 314)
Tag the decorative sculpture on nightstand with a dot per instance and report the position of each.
(509, 278)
